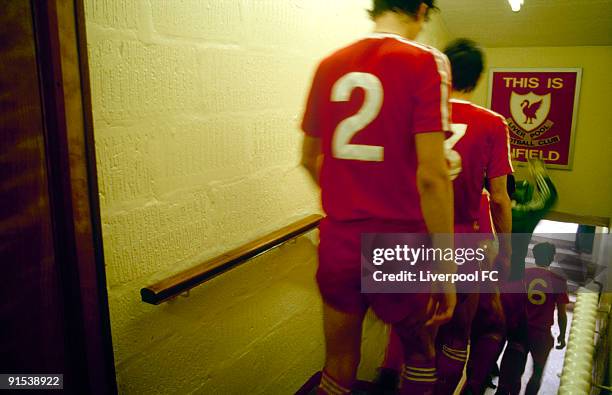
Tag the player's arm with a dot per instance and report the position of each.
(311, 125)
(431, 122)
(311, 156)
(498, 168)
(544, 196)
(435, 188)
(562, 321)
(501, 206)
(436, 196)
(501, 211)
(545, 189)
(435, 192)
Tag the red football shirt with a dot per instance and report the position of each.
(481, 138)
(366, 103)
(544, 290)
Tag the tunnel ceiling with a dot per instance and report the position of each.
(539, 23)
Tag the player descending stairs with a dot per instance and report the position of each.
(531, 202)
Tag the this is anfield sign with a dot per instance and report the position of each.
(540, 107)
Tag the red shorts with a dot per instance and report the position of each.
(339, 272)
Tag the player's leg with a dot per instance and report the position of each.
(342, 350)
(394, 354)
(540, 344)
(533, 386)
(395, 309)
(409, 341)
(488, 336)
(338, 278)
(454, 336)
(515, 355)
(512, 368)
(418, 376)
(387, 378)
(409, 313)
(452, 344)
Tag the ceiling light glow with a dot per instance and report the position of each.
(516, 5)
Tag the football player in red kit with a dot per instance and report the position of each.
(489, 325)
(546, 291)
(531, 202)
(477, 148)
(374, 124)
(481, 139)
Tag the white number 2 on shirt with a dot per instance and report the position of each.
(452, 156)
(348, 128)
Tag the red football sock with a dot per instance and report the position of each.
(394, 354)
(450, 362)
(331, 386)
(483, 354)
(418, 379)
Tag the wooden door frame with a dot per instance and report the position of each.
(61, 46)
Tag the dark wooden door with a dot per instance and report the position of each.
(30, 298)
(53, 305)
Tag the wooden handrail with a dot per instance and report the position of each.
(181, 282)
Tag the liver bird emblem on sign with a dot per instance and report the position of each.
(529, 111)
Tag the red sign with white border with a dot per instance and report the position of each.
(540, 107)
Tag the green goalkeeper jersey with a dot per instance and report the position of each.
(526, 216)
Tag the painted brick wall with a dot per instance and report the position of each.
(196, 109)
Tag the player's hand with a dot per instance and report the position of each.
(535, 167)
(490, 252)
(502, 264)
(453, 161)
(560, 342)
(443, 300)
